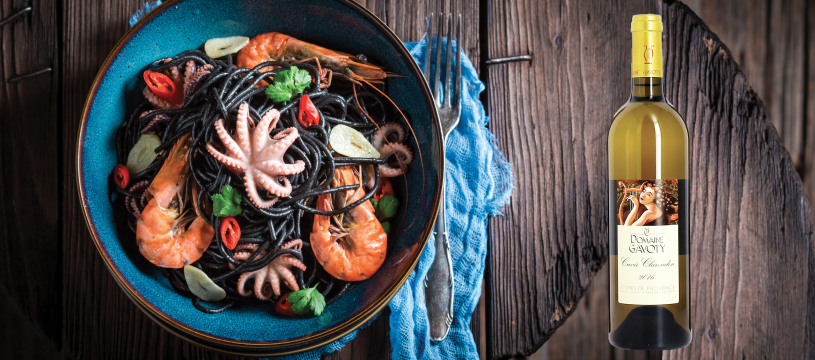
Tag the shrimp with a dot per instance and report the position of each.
(354, 248)
(275, 46)
(161, 231)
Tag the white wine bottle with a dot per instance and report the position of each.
(648, 207)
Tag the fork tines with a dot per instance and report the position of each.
(434, 81)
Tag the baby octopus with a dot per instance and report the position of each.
(267, 279)
(192, 77)
(256, 156)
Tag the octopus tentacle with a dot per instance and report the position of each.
(175, 74)
(130, 202)
(156, 101)
(405, 156)
(242, 129)
(259, 159)
(155, 121)
(280, 168)
(267, 122)
(233, 164)
(290, 260)
(295, 244)
(252, 191)
(191, 83)
(232, 147)
(392, 132)
(274, 279)
(245, 277)
(273, 185)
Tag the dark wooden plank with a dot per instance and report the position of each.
(29, 167)
(406, 18)
(752, 242)
(372, 342)
(767, 39)
(743, 26)
(551, 121)
(583, 336)
(100, 321)
(809, 159)
(551, 117)
(20, 338)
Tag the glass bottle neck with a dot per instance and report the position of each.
(646, 89)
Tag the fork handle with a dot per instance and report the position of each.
(439, 284)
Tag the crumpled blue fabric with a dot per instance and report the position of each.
(479, 182)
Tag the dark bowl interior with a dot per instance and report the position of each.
(187, 24)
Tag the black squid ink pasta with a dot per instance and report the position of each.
(218, 94)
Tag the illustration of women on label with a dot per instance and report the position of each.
(648, 202)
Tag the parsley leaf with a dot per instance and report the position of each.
(278, 92)
(387, 227)
(307, 301)
(387, 207)
(288, 82)
(227, 203)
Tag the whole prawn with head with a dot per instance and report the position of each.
(647, 197)
(353, 247)
(275, 46)
(161, 231)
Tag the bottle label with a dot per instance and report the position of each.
(646, 54)
(648, 241)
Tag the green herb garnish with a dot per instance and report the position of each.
(287, 83)
(307, 301)
(227, 203)
(386, 207)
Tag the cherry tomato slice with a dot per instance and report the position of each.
(283, 306)
(164, 87)
(307, 115)
(230, 232)
(121, 176)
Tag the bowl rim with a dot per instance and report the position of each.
(314, 340)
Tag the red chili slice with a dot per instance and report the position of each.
(307, 115)
(385, 188)
(230, 232)
(121, 176)
(164, 87)
(283, 306)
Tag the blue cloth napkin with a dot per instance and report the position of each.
(479, 183)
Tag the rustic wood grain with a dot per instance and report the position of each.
(29, 141)
(100, 321)
(743, 26)
(768, 40)
(809, 164)
(550, 118)
(585, 334)
(752, 241)
(543, 136)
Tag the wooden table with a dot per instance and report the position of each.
(753, 255)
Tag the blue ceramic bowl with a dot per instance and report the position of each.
(186, 24)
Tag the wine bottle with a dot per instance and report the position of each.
(648, 207)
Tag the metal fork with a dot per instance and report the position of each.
(439, 284)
